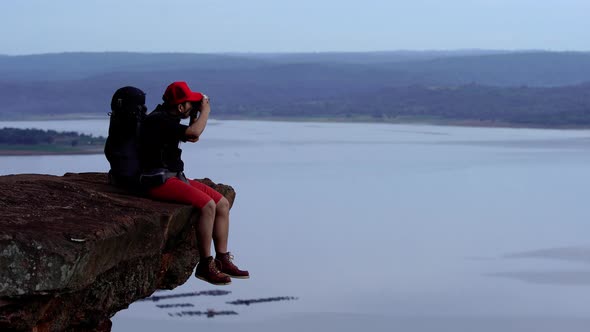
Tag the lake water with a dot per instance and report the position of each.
(383, 227)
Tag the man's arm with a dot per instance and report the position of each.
(197, 124)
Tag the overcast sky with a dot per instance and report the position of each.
(42, 26)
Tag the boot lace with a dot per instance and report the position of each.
(213, 267)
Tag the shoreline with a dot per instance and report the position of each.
(24, 153)
(442, 123)
(64, 117)
(359, 119)
(17, 151)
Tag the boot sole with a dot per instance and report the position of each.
(212, 283)
(238, 277)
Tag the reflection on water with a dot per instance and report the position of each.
(175, 305)
(372, 224)
(156, 298)
(568, 143)
(263, 300)
(575, 254)
(564, 276)
(573, 278)
(209, 313)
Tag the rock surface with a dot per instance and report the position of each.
(75, 250)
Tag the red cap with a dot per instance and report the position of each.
(179, 92)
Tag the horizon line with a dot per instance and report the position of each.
(457, 50)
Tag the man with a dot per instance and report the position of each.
(160, 136)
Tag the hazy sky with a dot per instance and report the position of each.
(40, 26)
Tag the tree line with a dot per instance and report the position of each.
(526, 106)
(17, 136)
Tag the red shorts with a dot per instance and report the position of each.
(195, 194)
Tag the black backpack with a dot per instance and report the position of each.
(121, 149)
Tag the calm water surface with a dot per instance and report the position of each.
(404, 227)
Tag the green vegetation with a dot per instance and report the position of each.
(470, 104)
(33, 141)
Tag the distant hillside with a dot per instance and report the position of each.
(69, 66)
(73, 66)
(540, 107)
(365, 57)
(309, 84)
(514, 69)
(397, 68)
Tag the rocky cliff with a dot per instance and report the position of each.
(75, 250)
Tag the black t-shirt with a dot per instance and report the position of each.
(159, 137)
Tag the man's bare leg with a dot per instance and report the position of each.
(207, 268)
(220, 236)
(221, 226)
(204, 229)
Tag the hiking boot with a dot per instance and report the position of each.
(225, 265)
(207, 270)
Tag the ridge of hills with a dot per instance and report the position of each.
(549, 86)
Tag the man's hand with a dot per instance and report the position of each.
(205, 106)
(197, 124)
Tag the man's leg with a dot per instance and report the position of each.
(221, 232)
(175, 190)
(207, 268)
(204, 229)
(220, 222)
(221, 226)
(220, 235)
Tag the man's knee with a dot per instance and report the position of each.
(223, 205)
(209, 208)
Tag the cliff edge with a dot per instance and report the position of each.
(75, 250)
